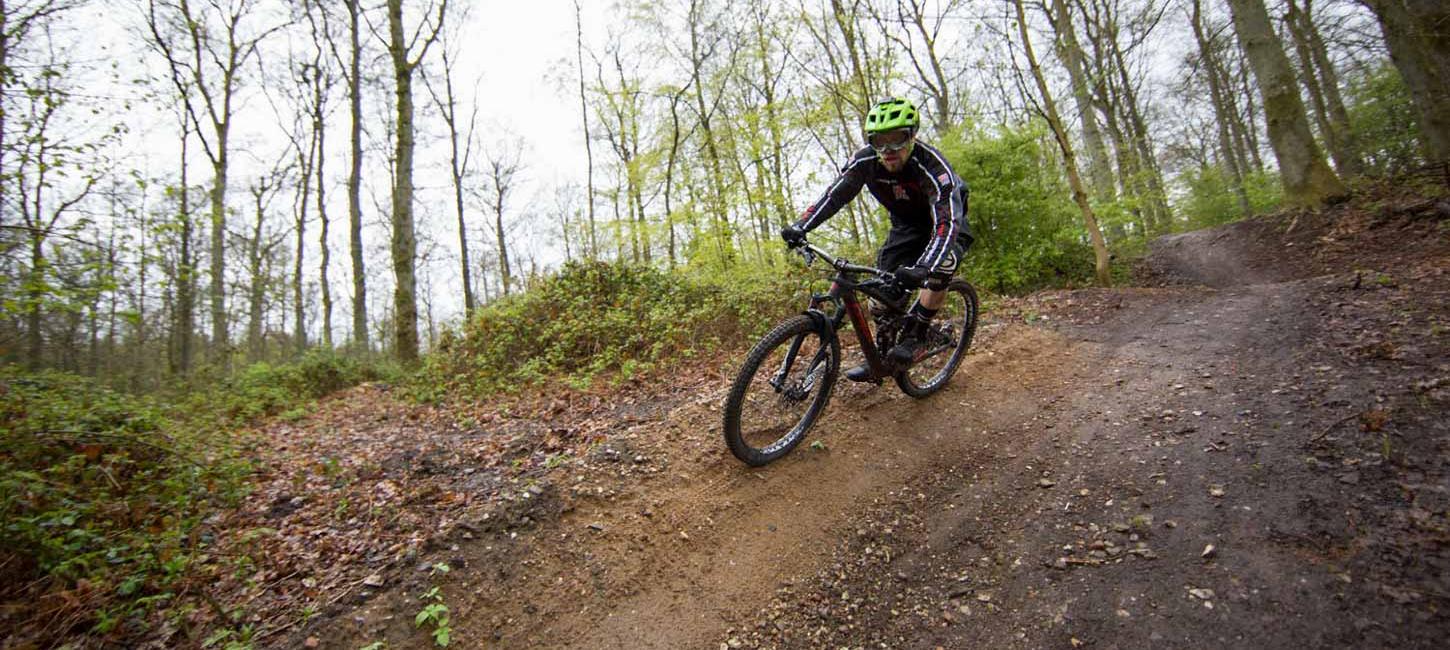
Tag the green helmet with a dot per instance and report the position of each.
(892, 114)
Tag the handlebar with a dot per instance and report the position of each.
(810, 251)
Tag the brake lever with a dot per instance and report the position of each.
(807, 255)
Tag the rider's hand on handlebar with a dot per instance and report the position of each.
(911, 277)
(794, 237)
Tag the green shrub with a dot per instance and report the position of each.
(100, 493)
(1027, 231)
(265, 389)
(596, 318)
(1384, 119)
(1210, 199)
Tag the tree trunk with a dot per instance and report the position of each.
(1319, 79)
(35, 293)
(1251, 111)
(1100, 171)
(219, 339)
(1153, 192)
(325, 252)
(404, 239)
(1412, 44)
(184, 331)
(670, 174)
(724, 246)
(500, 191)
(299, 316)
(458, 161)
(354, 181)
(1079, 195)
(1308, 180)
(1229, 159)
(257, 289)
(1338, 114)
(588, 145)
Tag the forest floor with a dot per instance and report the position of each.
(1250, 449)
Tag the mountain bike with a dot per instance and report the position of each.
(787, 377)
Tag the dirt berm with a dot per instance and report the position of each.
(1249, 450)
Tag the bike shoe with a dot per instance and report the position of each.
(861, 373)
(904, 353)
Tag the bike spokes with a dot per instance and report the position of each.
(780, 391)
(947, 339)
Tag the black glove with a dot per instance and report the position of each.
(911, 277)
(793, 235)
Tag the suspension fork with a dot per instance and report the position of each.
(829, 324)
(777, 381)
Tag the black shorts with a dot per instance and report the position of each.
(904, 248)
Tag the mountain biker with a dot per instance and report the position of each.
(927, 203)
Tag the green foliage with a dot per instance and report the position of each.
(1381, 114)
(103, 493)
(1209, 199)
(1027, 232)
(100, 492)
(264, 389)
(435, 613)
(597, 318)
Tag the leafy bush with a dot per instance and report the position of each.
(1027, 231)
(99, 495)
(1210, 199)
(103, 495)
(596, 317)
(264, 389)
(1381, 114)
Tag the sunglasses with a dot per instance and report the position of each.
(890, 141)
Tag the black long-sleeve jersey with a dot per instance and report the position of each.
(925, 197)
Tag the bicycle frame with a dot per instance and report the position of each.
(842, 296)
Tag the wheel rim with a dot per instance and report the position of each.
(775, 406)
(945, 342)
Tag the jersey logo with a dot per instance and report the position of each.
(899, 192)
(943, 178)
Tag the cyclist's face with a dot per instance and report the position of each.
(892, 147)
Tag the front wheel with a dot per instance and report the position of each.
(947, 341)
(781, 390)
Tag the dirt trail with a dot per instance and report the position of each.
(1261, 464)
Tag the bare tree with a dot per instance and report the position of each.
(205, 52)
(46, 155)
(1100, 170)
(1208, 60)
(406, 52)
(352, 63)
(502, 168)
(18, 20)
(588, 145)
(461, 140)
(261, 246)
(1322, 84)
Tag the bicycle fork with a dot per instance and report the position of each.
(778, 381)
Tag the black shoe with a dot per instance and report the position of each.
(861, 373)
(911, 343)
(904, 352)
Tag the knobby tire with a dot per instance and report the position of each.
(818, 347)
(962, 297)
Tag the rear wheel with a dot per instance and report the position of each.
(946, 343)
(781, 390)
